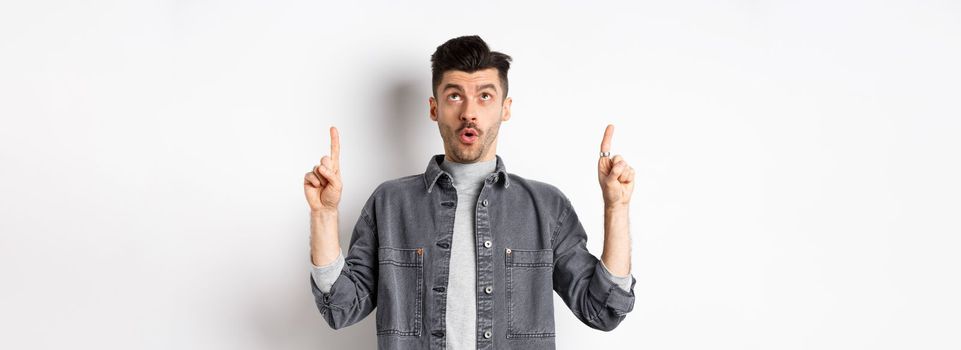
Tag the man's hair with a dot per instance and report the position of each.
(468, 54)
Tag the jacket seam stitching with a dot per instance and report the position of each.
(560, 223)
(366, 217)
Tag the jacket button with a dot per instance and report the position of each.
(488, 290)
(439, 334)
(439, 289)
(508, 250)
(444, 245)
(487, 334)
(484, 203)
(487, 244)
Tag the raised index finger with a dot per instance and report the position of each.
(334, 144)
(608, 134)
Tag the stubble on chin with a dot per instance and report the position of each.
(467, 155)
(471, 154)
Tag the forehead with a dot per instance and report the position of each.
(471, 80)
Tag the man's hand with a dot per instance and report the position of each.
(617, 183)
(615, 176)
(322, 186)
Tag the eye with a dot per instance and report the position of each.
(485, 96)
(453, 97)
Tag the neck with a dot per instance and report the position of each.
(469, 174)
(447, 158)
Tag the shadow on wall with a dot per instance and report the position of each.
(401, 128)
(406, 121)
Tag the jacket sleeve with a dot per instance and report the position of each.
(354, 293)
(580, 280)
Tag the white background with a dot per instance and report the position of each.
(797, 162)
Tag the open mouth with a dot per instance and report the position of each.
(468, 135)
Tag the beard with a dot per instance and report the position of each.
(463, 153)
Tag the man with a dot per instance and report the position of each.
(466, 255)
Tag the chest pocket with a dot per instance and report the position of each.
(400, 291)
(530, 304)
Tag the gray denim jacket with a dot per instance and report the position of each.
(529, 242)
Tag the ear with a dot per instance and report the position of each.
(433, 108)
(506, 111)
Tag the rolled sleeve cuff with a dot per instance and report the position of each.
(606, 289)
(325, 276)
(622, 281)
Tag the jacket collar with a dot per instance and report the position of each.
(434, 172)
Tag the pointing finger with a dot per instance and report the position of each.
(608, 134)
(334, 144)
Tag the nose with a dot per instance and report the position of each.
(470, 111)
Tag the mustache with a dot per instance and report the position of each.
(469, 126)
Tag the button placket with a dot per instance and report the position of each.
(448, 202)
(485, 278)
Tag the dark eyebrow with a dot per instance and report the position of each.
(458, 87)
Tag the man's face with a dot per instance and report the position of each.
(469, 109)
